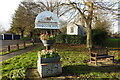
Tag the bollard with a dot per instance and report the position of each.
(24, 44)
(17, 46)
(8, 48)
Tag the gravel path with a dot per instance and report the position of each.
(8, 56)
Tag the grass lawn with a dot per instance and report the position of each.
(74, 58)
(113, 42)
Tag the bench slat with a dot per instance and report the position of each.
(99, 53)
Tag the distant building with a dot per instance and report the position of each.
(9, 36)
(76, 29)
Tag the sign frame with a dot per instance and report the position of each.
(47, 20)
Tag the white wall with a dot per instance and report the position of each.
(69, 29)
(75, 32)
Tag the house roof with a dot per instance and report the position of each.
(76, 25)
(80, 26)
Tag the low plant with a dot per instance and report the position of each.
(48, 53)
(17, 74)
(46, 36)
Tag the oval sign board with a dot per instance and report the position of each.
(47, 20)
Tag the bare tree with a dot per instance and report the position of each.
(2, 30)
(86, 10)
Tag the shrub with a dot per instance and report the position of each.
(73, 39)
(26, 38)
(99, 36)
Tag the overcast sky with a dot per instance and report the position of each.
(7, 9)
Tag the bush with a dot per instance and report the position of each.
(99, 36)
(73, 39)
(26, 38)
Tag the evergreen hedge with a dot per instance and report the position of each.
(99, 36)
(72, 39)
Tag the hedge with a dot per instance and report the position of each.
(26, 38)
(73, 39)
(99, 36)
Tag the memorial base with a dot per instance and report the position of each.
(49, 69)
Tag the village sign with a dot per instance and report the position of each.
(47, 20)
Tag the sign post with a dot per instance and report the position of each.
(50, 66)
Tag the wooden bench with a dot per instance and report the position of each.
(98, 54)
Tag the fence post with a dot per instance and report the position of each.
(18, 46)
(8, 48)
(24, 44)
(33, 43)
(32, 40)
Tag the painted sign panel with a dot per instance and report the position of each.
(47, 20)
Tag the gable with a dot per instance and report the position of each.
(75, 29)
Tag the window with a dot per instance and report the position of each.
(71, 29)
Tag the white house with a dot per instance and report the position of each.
(76, 29)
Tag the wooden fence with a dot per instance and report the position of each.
(17, 46)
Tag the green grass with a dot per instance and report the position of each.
(73, 58)
(112, 42)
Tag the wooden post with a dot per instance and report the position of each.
(17, 46)
(33, 43)
(24, 44)
(90, 54)
(8, 48)
(32, 40)
(113, 59)
(95, 59)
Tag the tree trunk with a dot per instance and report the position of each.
(89, 36)
(31, 34)
(88, 23)
(22, 33)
